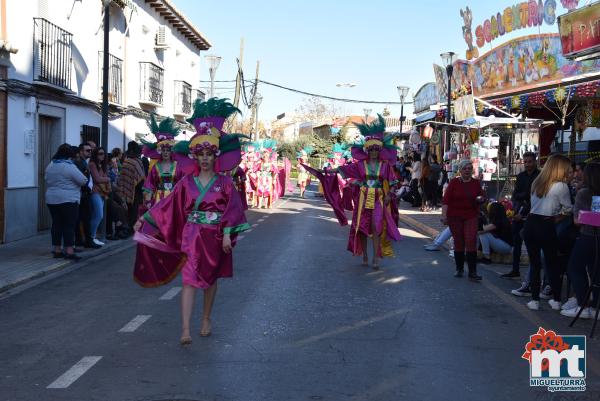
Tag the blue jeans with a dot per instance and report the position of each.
(97, 213)
(490, 243)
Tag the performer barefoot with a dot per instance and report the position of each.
(374, 175)
(303, 177)
(195, 227)
(166, 172)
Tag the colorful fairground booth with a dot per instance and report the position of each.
(537, 93)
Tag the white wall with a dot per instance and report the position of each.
(133, 43)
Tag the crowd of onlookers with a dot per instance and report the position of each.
(92, 195)
(543, 214)
(421, 181)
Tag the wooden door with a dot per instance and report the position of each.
(49, 140)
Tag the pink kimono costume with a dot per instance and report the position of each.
(185, 230)
(160, 183)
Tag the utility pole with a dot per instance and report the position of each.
(238, 80)
(104, 137)
(254, 91)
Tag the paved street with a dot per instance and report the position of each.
(301, 320)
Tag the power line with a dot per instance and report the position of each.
(311, 94)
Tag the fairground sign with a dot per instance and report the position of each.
(580, 32)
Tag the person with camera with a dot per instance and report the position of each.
(460, 211)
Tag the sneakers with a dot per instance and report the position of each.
(570, 304)
(533, 305)
(586, 313)
(451, 253)
(523, 291)
(511, 274)
(97, 242)
(555, 305)
(432, 247)
(459, 273)
(546, 293)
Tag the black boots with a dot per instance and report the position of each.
(472, 263)
(459, 259)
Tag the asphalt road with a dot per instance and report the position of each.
(301, 320)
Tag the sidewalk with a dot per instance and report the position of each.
(29, 259)
(429, 224)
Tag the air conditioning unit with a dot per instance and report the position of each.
(161, 38)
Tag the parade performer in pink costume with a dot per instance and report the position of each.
(267, 176)
(165, 172)
(303, 177)
(373, 173)
(195, 227)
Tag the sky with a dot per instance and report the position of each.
(312, 45)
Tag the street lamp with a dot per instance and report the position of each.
(367, 114)
(402, 92)
(257, 101)
(448, 60)
(213, 64)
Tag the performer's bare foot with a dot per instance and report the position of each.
(186, 339)
(375, 264)
(365, 261)
(206, 329)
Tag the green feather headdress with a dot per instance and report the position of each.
(211, 108)
(374, 135)
(165, 132)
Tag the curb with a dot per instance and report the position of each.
(7, 289)
(422, 228)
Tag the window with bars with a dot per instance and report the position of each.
(200, 95)
(115, 77)
(51, 54)
(183, 98)
(151, 83)
(90, 133)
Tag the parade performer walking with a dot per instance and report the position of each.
(195, 227)
(374, 175)
(303, 177)
(165, 172)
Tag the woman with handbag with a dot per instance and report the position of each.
(100, 190)
(550, 203)
(460, 211)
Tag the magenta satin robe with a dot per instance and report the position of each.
(160, 183)
(185, 231)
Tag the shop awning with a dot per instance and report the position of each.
(482, 122)
(425, 116)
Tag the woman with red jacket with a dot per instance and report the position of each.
(460, 211)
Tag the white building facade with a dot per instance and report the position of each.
(53, 85)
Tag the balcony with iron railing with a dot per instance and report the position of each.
(115, 78)
(151, 84)
(183, 99)
(52, 61)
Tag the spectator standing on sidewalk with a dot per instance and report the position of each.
(63, 193)
(83, 234)
(550, 203)
(460, 211)
(100, 191)
(131, 179)
(583, 255)
(415, 177)
(432, 183)
(521, 199)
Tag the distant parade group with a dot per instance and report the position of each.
(197, 191)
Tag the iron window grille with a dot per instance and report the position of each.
(183, 98)
(90, 133)
(151, 83)
(200, 95)
(51, 53)
(115, 78)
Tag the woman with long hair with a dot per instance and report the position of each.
(63, 194)
(584, 253)
(550, 203)
(195, 227)
(100, 190)
(460, 211)
(423, 187)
